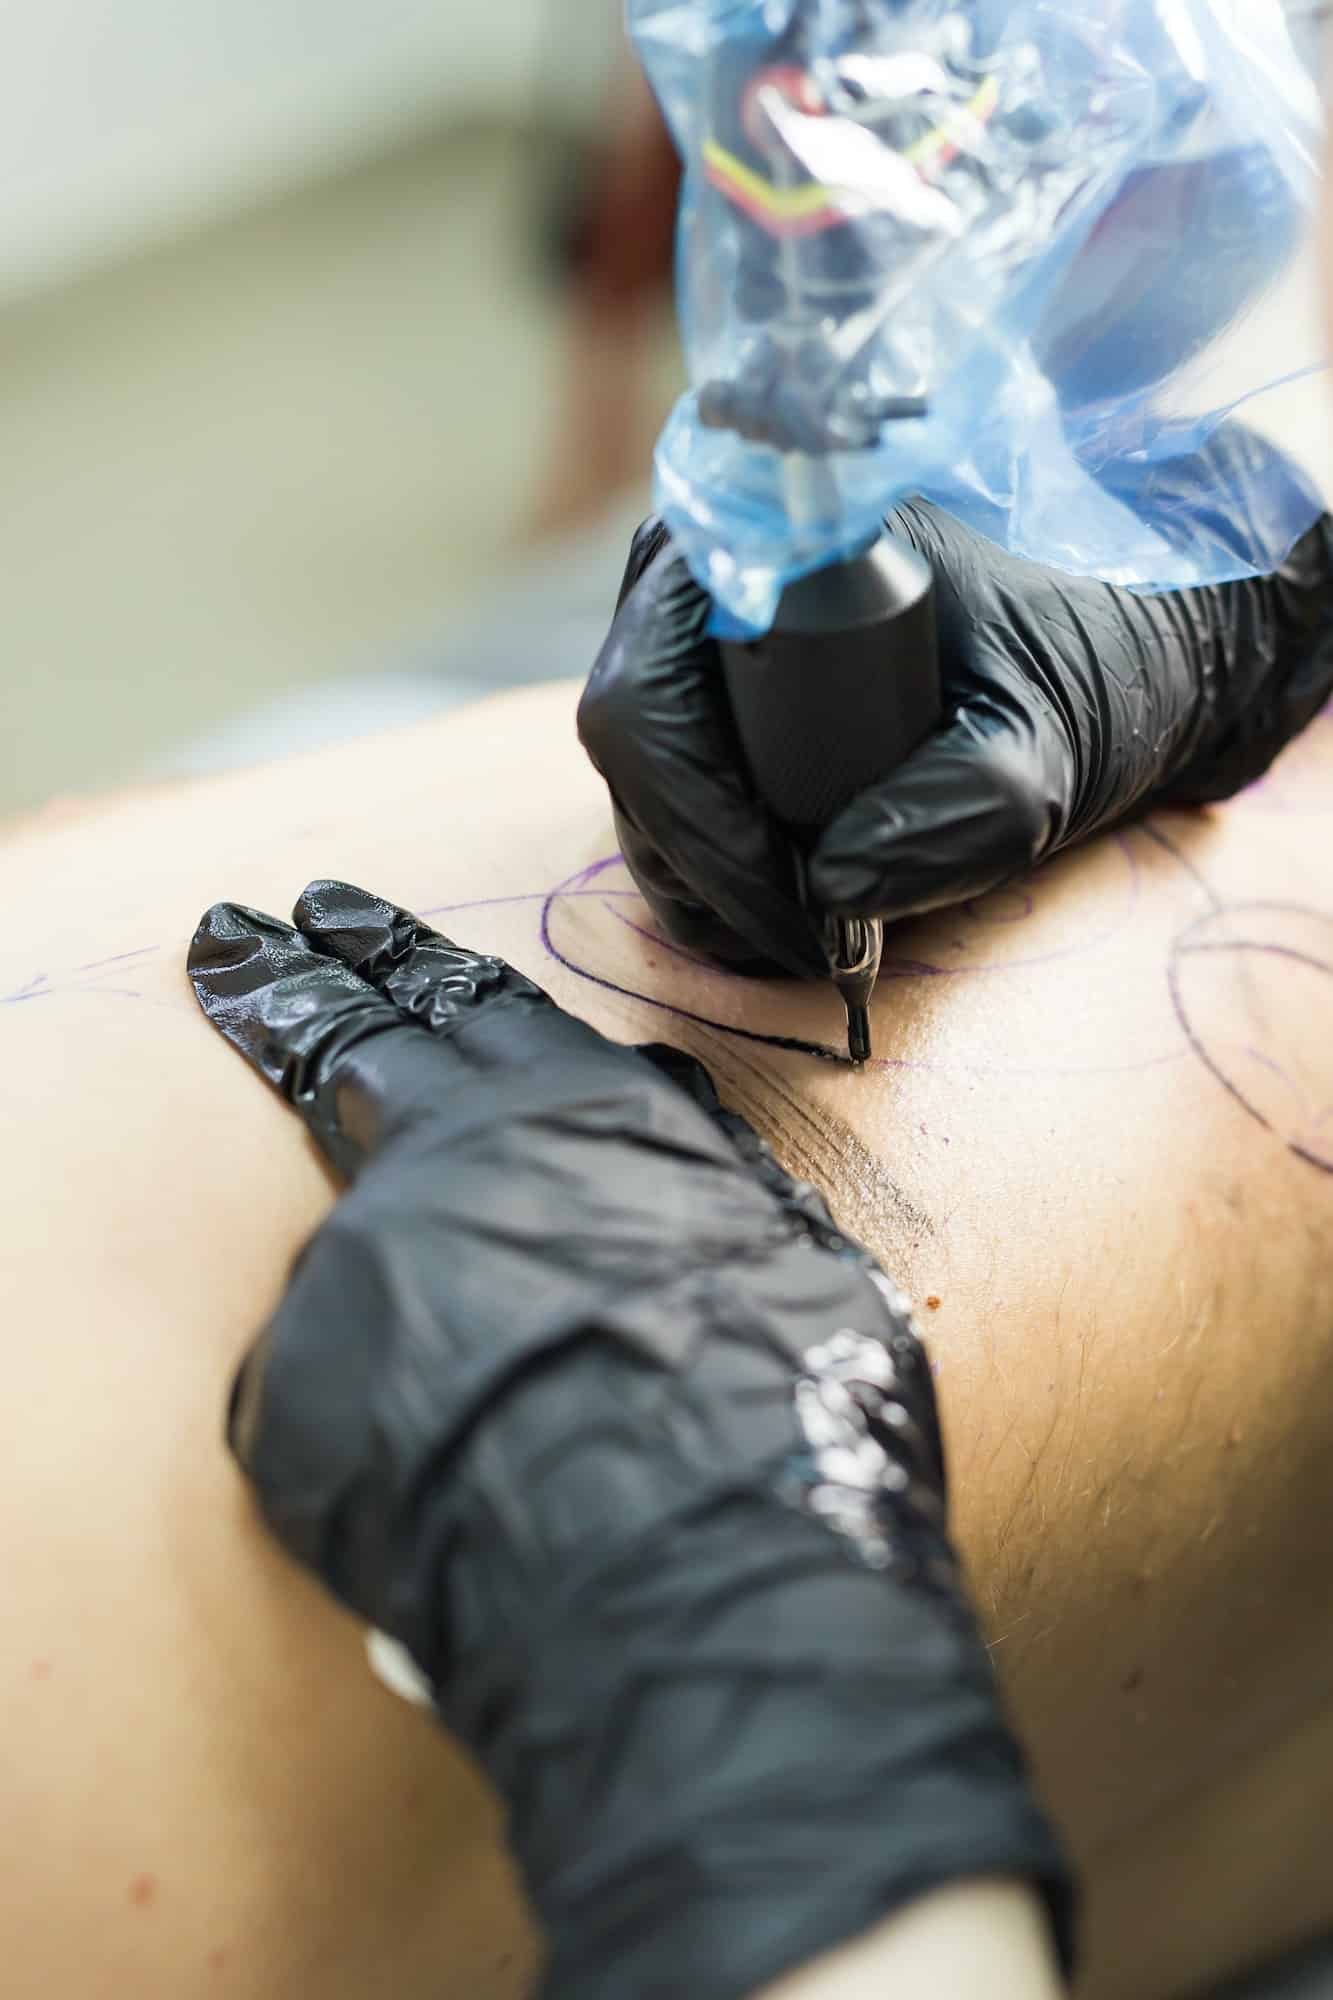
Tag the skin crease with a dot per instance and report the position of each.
(1133, 1330)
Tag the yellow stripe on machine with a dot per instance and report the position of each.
(799, 203)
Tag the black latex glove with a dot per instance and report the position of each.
(589, 1406)
(1070, 705)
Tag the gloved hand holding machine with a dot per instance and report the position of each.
(970, 269)
(580, 1400)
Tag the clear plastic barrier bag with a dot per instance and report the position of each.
(1002, 253)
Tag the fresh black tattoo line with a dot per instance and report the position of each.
(578, 884)
(1183, 943)
(586, 884)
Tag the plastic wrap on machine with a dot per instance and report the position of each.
(1003, 255)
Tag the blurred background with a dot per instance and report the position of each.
(291, 295)
(334, 341)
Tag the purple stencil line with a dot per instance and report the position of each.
(36, 988)
(113, 992)
(1267, 1062)
(1184, 947)
(531, 896)
(656, 939)
(791, 1044)
(119, 958)
(891, 968)
(926, 969)
(1233, 946)
(915, 968)
(41, 988)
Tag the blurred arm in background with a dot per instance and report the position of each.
(619, 250)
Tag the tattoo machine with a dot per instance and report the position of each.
(969, 252)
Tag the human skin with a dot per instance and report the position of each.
(1096, 1144)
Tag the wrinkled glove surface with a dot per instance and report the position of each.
(1069, 705)
(578, 1397)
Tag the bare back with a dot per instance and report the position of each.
(1097, 1144)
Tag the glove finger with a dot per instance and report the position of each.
(655, 721)
(355, 1061)
(481, 1015)
(428, 978)
(290, 1011)
(972, 809)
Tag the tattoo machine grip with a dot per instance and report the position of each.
(832, 699)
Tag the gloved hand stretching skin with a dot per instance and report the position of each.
(1070, 705)
(583, 1401)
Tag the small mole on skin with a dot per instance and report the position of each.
(1141, 1581)
(142, 1891)
(1131, 1681)
(217, 1958)
(933, 1303)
